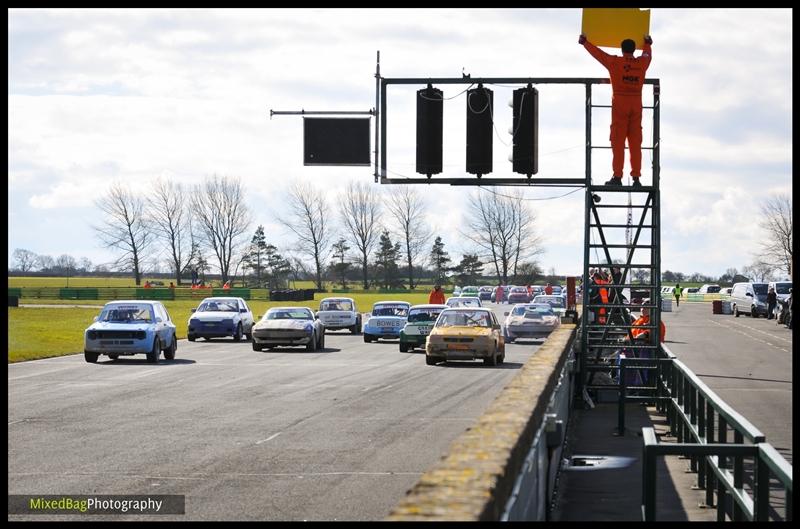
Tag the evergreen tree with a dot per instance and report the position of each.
(386, 260)
(340, 265)
(468, 270)
(439, 259)
(256, 255)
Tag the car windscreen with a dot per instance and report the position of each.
(340, 304)
(288, 315)
(519, 290)
(127, 313)
(218, 306)
(418, 315)
(760, 289)
(533, 310)
(782, 288)
(554, 301)
(390, 310)
(464, 318)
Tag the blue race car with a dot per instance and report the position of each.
(128, 328)
(386, 320)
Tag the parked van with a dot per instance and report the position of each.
(781, 289)
(749, 298)
(709, 289)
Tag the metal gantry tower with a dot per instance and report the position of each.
(632, 245)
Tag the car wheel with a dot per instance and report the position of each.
(753, 313)
(403, 347)
(90, 357)
(190, 337)
(237, 336)
(152, 356)
(367, 338)
(322, 342)
(113, 357)
(256, 347)
(312, 344)
(431, 360)
(736, 311)
(491, 360)
(169, 353)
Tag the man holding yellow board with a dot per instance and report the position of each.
(627, 74)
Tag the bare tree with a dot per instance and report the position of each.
(222, 217)
(408, 210)
(25, 259)
(45, 263)
(360, 214)
(171, 224)
(84, 264)
(66, 263)
(502, 227)
(125, 228)
(308, 223)
(759, 270)
(776, 220)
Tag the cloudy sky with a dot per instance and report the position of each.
(98, 96)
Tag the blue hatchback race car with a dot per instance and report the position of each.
(129, 328)
(386, 320)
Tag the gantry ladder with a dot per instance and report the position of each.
(633, 247)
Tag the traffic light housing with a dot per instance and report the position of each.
(526, 131)
(429, 130)
(480, 108)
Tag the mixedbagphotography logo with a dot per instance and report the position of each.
(96, 504)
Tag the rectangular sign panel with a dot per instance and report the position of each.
(336, 141)
(608, 27)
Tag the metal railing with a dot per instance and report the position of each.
(701, 422)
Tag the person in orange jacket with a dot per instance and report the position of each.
(640, 334)
(437, 296)
(627, 77)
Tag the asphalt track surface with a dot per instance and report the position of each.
(746, 361)
(274, 435)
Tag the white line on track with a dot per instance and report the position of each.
(756, 338)
(218, 475)
(270, 438)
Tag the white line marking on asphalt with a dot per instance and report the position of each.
(749, 335)
(270, 438)
(15, 422)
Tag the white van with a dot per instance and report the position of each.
(781, 289)
(749, 298)
(709, 289)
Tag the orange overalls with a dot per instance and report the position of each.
(627, 77)
(645, 320)
(604, 298)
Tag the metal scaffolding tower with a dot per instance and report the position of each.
(632, 247)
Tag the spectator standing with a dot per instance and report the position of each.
(678, 292)
(437, 296)
(772, 302)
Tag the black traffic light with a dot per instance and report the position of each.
(479, 130)
(429, 130)
(526, 131)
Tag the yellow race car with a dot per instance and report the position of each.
(466, 334)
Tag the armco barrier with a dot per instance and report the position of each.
(478, 479)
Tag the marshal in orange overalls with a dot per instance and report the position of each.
(627, 77)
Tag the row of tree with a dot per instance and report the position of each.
(192, 226)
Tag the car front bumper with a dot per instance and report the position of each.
(383, 332)
(285, 339)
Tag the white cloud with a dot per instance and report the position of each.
(100, 95)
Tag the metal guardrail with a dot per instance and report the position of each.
(701, 420)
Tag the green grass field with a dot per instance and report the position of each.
(99, 282)
(57, 331)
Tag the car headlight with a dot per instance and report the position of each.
(194, 321)
(309, 328)
(92, 335)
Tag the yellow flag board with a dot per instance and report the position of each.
(610, 26)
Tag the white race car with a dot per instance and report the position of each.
(339, 313)
(530, 320)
